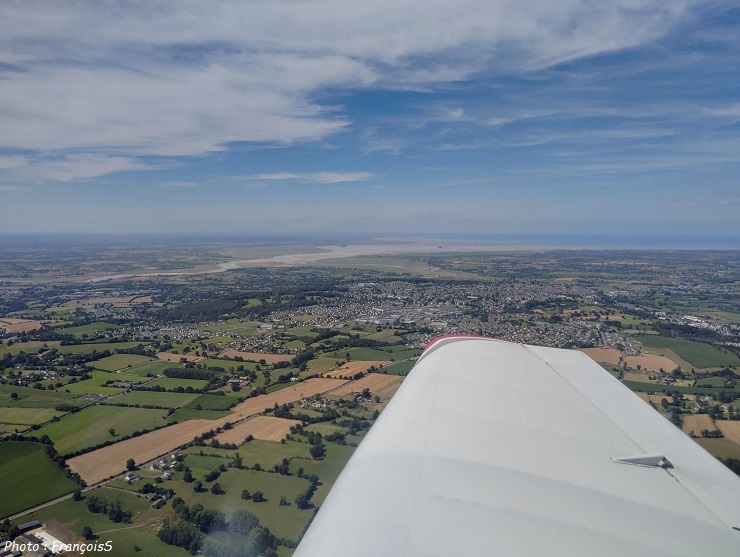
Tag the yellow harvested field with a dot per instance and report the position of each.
(170, 357)
(12, 325)
(257, 356)
(372, 381)
(265, 428)
(604, 355)
(104, 463)
(655, 399)
(697, 423)
(304, 389)
(651, 362)
(351, 368)
(730, 429)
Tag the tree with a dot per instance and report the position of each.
(112, 431)
(77, 495)
(258, 497)
(188, 475)
(198, 486)
(130, 465)
(246, 495)
(243, 522)
(216, 489)
(14, 396)
(87, 533)
(317, 451)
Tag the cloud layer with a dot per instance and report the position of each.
(89, 88)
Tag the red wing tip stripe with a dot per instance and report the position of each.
(456, 335)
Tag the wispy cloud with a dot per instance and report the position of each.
(187, 79)
(68, 167)
(316, 177)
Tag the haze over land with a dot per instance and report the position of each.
(526, 117)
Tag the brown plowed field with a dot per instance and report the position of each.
(351, 368)
(104, 463)
(605, 355)
(170, 357)
(731, 430)
(257, 356)
(651, 362)
(698, 423)
(12, 325)
(265, 428)
(372, 381)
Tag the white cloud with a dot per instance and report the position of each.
(79, 166)
(7, 162)
(187, 78)
(316, 177)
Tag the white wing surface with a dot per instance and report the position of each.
(503, 449)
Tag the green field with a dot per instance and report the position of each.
(215, 362)
(287, 522)
(182, 414)
(712, 382)
(120, 361)
(212, 402)
(29, 477)
(155, 367)
(329, 467)
(32, 398)
(173, 383)
(97, 381)
(153, 398)
(267, 454)
(295, 345)
(31, 347)
(658, 388)
(89, 427)
(96, 347)
(26, 416)
(89, 329)
(142, 532)
(698, 354)
(399, 368)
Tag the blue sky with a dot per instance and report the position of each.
(478, 116)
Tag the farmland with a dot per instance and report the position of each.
(650, 362)
(152, 398)
(337, 322)
(264, 428)
(603, 355)
(350, 369)
(90, 427)
(120, 361)
(697, 423)
(373, 382)
(109, 461)
(34, 477)
(26, 416)
(698, 354)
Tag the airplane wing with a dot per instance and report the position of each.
(504, 449)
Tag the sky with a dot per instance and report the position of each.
(580, 117)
